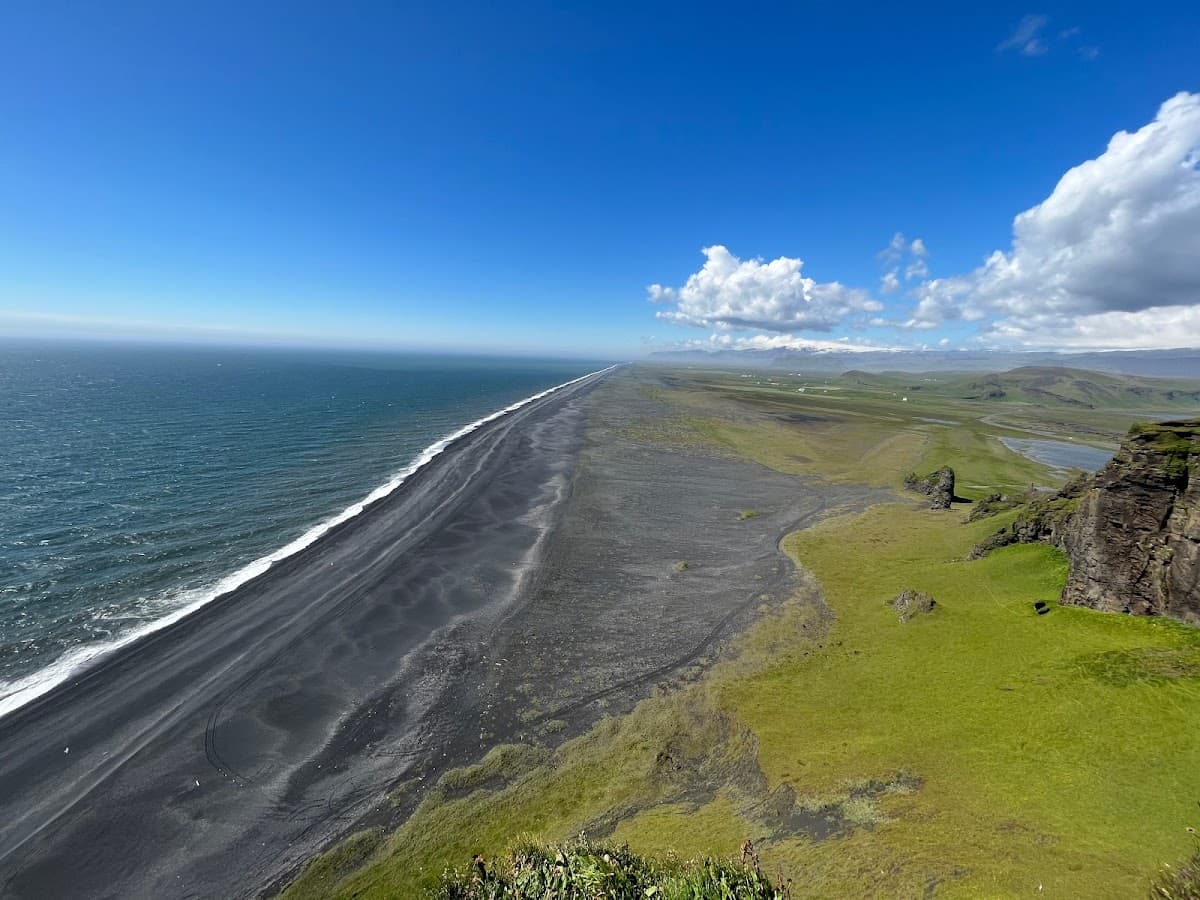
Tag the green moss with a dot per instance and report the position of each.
(1141, 664)
(1032, 769)
(1176, 442)
(1053, 510)
(1166, 432)
(688, 829)
(325, 871)
(502, 764)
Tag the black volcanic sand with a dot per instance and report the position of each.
(526, 575)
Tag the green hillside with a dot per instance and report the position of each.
(1040, 386)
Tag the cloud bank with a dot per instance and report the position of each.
(786, 342)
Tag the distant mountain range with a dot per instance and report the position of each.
(1181, 363)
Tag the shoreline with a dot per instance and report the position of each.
(271, 715)
(77, 663)
(653, 572)
(531, 572)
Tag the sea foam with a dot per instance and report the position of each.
(18, 693)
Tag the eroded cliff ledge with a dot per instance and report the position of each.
(1131, 531)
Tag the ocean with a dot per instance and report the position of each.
(139, 482)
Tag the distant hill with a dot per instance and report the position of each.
(1042, 386)
(1075, 387)
(1179, 363)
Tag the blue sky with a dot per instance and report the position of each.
(514, 177)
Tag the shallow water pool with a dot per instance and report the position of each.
(1059, 454)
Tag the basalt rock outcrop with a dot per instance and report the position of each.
(1041, 520)
(993, 504)
(1132, 531)
(909, 603)
(938, 485)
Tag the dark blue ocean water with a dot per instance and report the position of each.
(134, 479)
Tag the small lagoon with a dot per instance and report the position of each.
(1059, 454)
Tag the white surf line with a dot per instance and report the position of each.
(14, 695)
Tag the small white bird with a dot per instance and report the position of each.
(66, 749)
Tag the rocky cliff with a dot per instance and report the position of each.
(1131, 531)
(938, 486)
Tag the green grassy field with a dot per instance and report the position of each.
(1052, 750)
(979, 750)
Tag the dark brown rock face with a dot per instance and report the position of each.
(1134, 538)
(1132, 531)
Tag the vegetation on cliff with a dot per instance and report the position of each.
(1174, 443)
(582, 870)
(1180, 882)
(1131, 531)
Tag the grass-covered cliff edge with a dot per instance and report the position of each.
(1131, 532)
(977, 750)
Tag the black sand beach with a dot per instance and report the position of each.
(526, 575)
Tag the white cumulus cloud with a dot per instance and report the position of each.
(1117, 238)
(729, 293)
